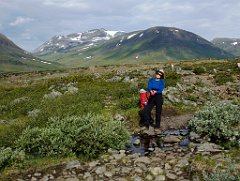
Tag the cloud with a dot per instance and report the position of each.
(66, 4)
(21, 20)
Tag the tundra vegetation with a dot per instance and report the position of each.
(51, 116)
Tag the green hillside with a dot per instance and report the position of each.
(156, 44)
(13, 58)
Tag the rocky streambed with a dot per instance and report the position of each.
(159, 157)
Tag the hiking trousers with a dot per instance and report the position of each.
(156, 100)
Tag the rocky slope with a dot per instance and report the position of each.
(61, 43)
(231, 45)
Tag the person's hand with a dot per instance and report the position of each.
(152, 92)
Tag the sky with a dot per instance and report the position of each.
(30, 23)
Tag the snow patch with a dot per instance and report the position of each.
(46, 62)
(141, 35)
(89, 57)
(77, 38)
(157, 31)
(234, 43)
(130, 36)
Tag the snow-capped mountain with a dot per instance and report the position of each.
(61, 43)
(231, 45)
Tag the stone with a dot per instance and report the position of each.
(34, 179)
(116, 78)
(34, 113)
(189, 103)
(194, 136)
(167, 166)
(118, 117)
(171, 176)
(208, 147)
(171, 139)
(136, 178)
(93, 163)
(173, 99)
(71, 90)
(156, 171)
(54, 94)
(138, 170)
(73, 164)
(137, 142)
(37, 174)
(118, 156)
(72, 179)
(160, 178)
(149, 177)
(100, 170)
(108, 174)
(125, 170)
(144, 159)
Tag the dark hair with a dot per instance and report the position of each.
(159, 72)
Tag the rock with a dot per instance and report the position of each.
(167, 166)
(180, 87)
(160, 178)
(194, 136)
(136, 178)
(100, 170)
(125, 170)
(171, 176)
(71, 90)
(93, 163)
(136, 142)
(34, 113)
(144, 159)
(119, 117)
(208, 147)
(54, 94)
(184, 142)
(171, 139)
(138, 170)
(108, 174)
(182, 163)
(156, 171)
(189, 103)
(126, 79)
(116, 78)
(21, 99)
(72, 179)
(34, 179)
(7, 121)
(238, 64)
(37, 174)
(73, 164)
(173, 99)
(118, 156)
(149, 177)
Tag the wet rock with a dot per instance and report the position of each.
(136, 142)
(184, 142)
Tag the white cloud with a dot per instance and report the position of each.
(66, 3)
(21, 20)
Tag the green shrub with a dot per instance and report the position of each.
(220, 121)
(222, 78)
(171, 79)
(199, 70)
(230, 174)
(87, 136)
(9, 156)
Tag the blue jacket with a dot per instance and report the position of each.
(155, 85)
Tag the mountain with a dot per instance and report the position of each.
(151, 45)
(61, 43)
(231, 45)
(13, 58)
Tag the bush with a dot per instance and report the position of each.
(230, 174)
(222, 78)
(221, 122)
(9, 156)
(87, 136)
(171, 79)
(199, 70)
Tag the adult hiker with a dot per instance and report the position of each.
(155, 87)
